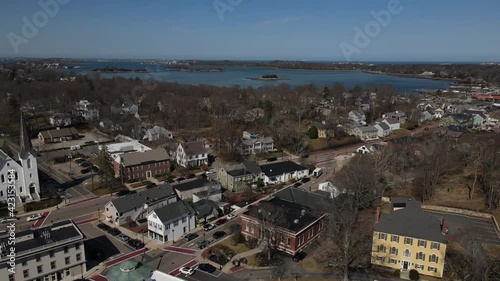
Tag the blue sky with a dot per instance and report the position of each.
(424, 30)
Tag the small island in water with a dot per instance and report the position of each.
(270, 77)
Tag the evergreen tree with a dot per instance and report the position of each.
(313, 132)
(106, 171)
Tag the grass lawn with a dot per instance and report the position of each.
(136, 184)
(42, 204)
(309, 264)
(238, 248)
(252, 260)
(492, 251)
(399, 132)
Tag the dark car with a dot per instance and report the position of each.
(299, 256)
(304, 180)
(114, 231)
(133, 192)
(272, 159)
(86, 164)
(150, 185)
(136, 244)
(103, 226)
(123, 192)
(221, 222)
(206, 267)
(219, 234)
(180, 179)
(297, 184)
(208, 227)
(82, 162)
(202, 244)
(191, 176)
(89, 143)
(170, 181)
(190, 236)
(95, 169)
(85, 171)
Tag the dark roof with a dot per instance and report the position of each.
(144, 157)
(194, 148)
(192, 184)
(238, 172)
(384, 126)
(303, 198)
(252, 167)
(410, 221)
(455, 128)
(285, 214)
(173, 211)
(54, 235)
(57, 133)
(137, 200)
(25, 142)
(279, 168)
(204, 207)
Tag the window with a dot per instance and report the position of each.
(52, 265)
(184, 219)
(24, 263)
(38, 258)
(407, 253)
(433, 258)
(176, 222)
(26, 273)
(288, 241)
(435, 245)
(395, 238)
(78, 257)
(408, 241)
(393, 261)
(422, 243)
(39, 269)
(431, 269)
(3, 178)
(380, 259)
(381, 248)
(382, 236)
(154, 216)
(29, 163)
(420, 256)
(51, 253)
(11, 277)
(394, 251)
(77, 246)
(419, 266)
(66, 260)
(65, 249)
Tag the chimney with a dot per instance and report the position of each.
(377, 215)
(443, 226)
(302, 212)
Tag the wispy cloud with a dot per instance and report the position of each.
(284, 20)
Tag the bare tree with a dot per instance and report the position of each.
(434, 166)
(474, 154)
(280, 270)
(490, 174)
(272, 219)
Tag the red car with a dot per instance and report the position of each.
(221, 222)
(86, 164)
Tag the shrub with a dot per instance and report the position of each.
(414, 275)
(234, 228)
(397, 273)
(238, 238)
(252, 243)
(313, 132)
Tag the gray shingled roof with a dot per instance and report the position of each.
(311, 200)
(63, 132)
(384, 126)
(192, 184)
(366, 129)
(173, 211)
(279, 168)
(411, 222)
(143, 157)
(194, 148)
(252, 167)
(137, 200)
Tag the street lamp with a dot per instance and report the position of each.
(70, 157)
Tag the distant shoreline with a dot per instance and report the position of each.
(267, 79)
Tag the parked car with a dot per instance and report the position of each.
(206, 267)
(103, 226)
(299, 256)
(221, 222)
(297, 184)
(80, 160)
(170, 181)
(89, 143)
(123, 237)
(85, 170)
(136, 244)
(191, 176)
(9, 219)
(34, 217)
(190, 236)
(304, 180)
(133, 192)
(202, 244)
(208, 227)
(232, 216)
(114, 231)
(187, 270)
(211, 171)
(219, 234)
(150, 185)
(95, 169)
(81, 163)
(272, 159)
(86, 164)
(123, 192)
(180, 179)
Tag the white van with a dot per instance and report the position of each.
(75, 147)
(317, 172)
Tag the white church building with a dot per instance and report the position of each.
(23, 172)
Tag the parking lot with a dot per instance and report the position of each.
(40, 146)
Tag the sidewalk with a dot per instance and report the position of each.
(227, 268)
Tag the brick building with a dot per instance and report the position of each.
(141, 165)
(291, 215)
